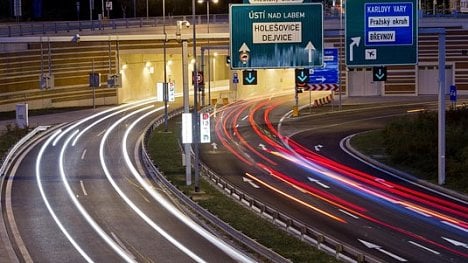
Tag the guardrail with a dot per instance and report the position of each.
(294, 227)
(194, 207)
(43, 28)
(6, 162)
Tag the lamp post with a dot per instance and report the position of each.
(196, 118)
(209, 64)
(165, 65)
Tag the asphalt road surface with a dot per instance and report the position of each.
(297, 166)
(79, 194)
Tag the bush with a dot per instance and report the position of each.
(412, 142)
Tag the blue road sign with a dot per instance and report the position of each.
(329, 73)
(453, 93)
(381, 32)
(276, 35)
(235, 78)
(388, 24)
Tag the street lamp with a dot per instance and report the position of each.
(196, 127)
(209, 64)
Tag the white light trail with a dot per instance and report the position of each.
(235, 254)
(46, 201)
(82, 210)
(127, 199)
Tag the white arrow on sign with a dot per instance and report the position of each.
(247, 180)
(310, 48)
(318, 147)
(317, 182)
(355, 42)
(379, 248)
(244, 48)
(262, 146)
(215, 146)
(456, 243)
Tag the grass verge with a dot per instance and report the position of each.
(164, 148)
(372, 144)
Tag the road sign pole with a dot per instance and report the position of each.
(441, 135)
(188, 166)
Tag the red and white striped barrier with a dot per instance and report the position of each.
(318, 87)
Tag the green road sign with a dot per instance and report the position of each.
(381, 32)
(276, 35)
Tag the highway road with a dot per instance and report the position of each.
(297, 166)
(80, 194)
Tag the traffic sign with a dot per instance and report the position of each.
(235, 78)
(249, 77)
(453, 93)
(379, 73)
(199, 78)
(276, 35)
(302, 77)
(381, 32)
(329, 73)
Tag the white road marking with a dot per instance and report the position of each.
(379, 248)
(83, 154)
(348, 213)
(83, 188)
(317, 182)
(249, 181)
(456, 243)
(423, 247)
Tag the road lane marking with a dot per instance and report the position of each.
(379, 248)
(348, 213)
(455, 242)
(317, 182)
(423, 247)
(83, 188)
(249, 181)
(83, 154)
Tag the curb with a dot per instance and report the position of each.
(346, 146)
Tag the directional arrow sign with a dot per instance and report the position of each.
(249, 77)
(276, 35)
(379, 73)
(310, 49)
(302, 77)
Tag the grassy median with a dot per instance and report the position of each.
(164, 147)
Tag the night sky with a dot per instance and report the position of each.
(68, 10)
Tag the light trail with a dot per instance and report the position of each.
(235, 254)
(129, 202)
(46, 201)
(319, 165)
(122, 253)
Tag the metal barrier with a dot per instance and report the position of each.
(194, 207)
(294, 227)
